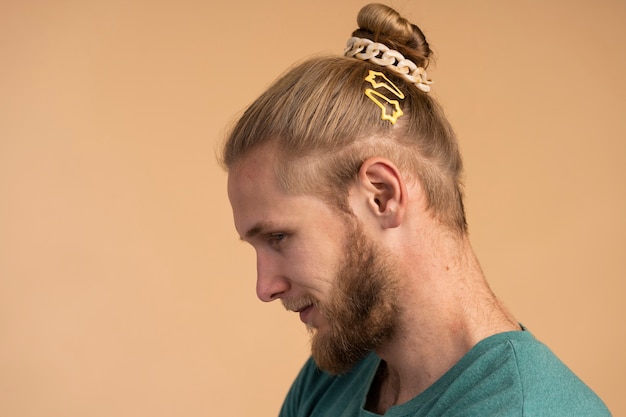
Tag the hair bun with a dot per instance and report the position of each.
(381, 23)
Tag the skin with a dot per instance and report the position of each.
(446, 304)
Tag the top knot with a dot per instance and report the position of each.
(381, 23)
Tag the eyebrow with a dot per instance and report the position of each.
(257, 229)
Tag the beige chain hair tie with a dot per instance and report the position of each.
(378, 53)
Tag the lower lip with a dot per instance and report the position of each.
(305, 314)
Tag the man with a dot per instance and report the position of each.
(345, 178)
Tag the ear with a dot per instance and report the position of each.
(383, 189)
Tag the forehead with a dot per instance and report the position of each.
(258, 201)
(260, 204)
(252, 176)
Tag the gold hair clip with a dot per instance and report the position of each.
(380, 80)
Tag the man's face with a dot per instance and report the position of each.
(317, 261)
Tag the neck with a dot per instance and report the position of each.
(449, 309)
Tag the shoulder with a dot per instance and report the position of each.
(548, 386)
(509, 374)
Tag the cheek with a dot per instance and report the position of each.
(313, 270)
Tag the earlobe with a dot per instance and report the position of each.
(385, 190)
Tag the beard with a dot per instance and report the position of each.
(362, 308)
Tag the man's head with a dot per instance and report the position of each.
(297, 158)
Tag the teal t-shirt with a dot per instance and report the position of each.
(508, 374)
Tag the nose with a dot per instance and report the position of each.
(270, 284)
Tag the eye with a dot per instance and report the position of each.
(275, 239)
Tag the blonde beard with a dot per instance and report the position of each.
(362, 310)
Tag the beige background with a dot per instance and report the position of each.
(124, 290)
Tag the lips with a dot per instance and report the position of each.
(304, 306)
(305, 314)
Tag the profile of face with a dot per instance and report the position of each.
(319, 262)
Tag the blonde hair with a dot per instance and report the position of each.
(323, 126)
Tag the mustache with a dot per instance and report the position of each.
(298, 304)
